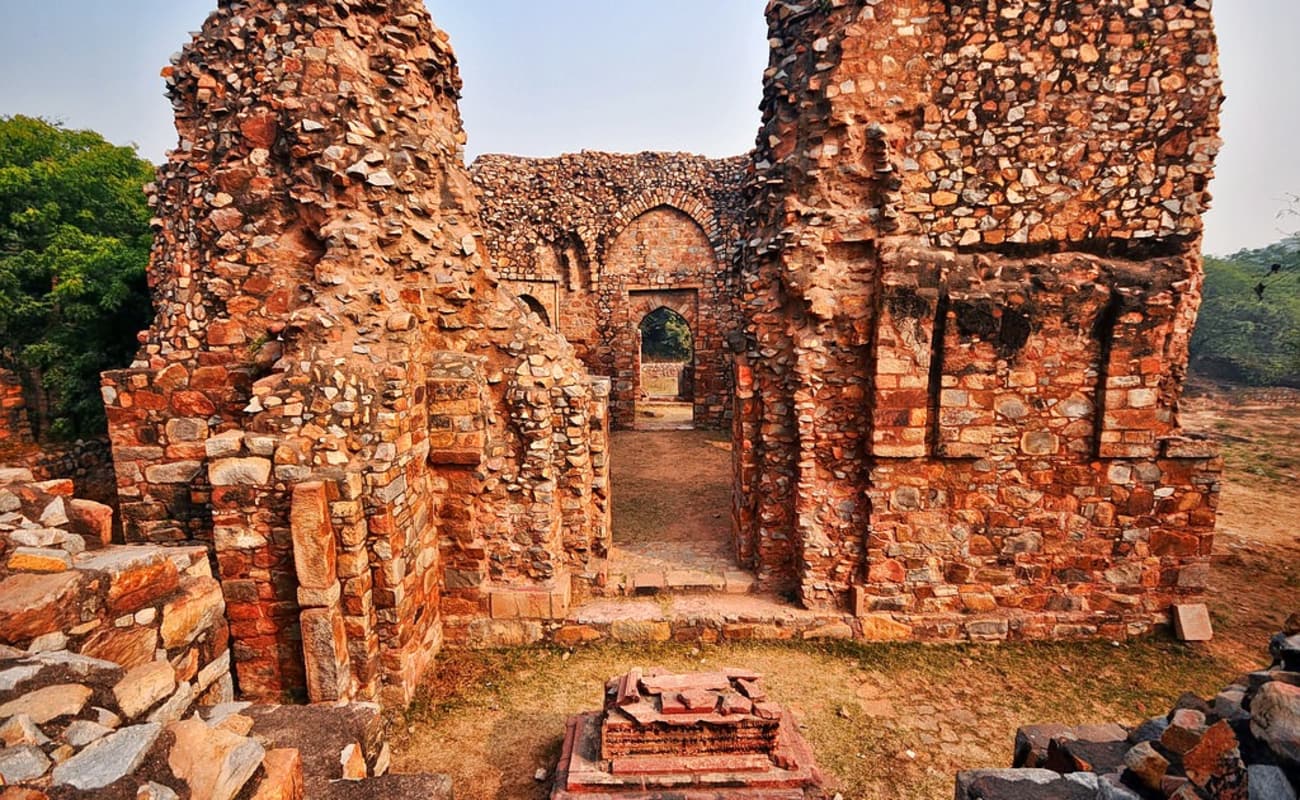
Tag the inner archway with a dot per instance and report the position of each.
(666, 394)
(535, 306)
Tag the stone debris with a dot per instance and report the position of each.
(661, 732)
(1243, 745)
(138, 692)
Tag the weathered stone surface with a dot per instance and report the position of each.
(1192, 622)
(39, 559)
(215, 764)
(240, 472)
(1027, 784)
(49, 703)
(23, 763)
(314, 553)
(109, 759)
(91, 519)
(32, 605)
(82, 732)
(20, 730)
(137, 576)
(352, 763)
(644, 631)
(12, 677)
(144, 686)
(1269, 782)
(324, 643)
(283, 779)
(1275, 719)
(156, 791)
(129, 647)
(195, 611)
(1148, 765)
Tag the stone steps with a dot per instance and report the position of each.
(680, 581)
(706, 617)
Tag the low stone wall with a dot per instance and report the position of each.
(88, 463)
(1242, 744)
(666, 378)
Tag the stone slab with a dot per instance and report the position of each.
(1192, 622)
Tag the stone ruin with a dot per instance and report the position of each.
(598, 241)
(15, 427)
(972, 270)
(336, 396)
(952, 287)
(944, 305)
(711, 736)
(1243, 744)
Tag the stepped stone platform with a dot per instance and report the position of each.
(713, 735)
(710, 617)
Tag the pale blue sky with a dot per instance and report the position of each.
(543, 78)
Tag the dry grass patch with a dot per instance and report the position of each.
(492, 719)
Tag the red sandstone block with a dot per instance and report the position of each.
(314, 549)
(283, 778)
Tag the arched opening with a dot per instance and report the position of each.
(666, 397)
(535, 306)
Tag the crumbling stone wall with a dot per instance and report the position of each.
(377, 444)
(15, 428)
(974, 269)
(599, 240)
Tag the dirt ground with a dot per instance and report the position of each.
(892, 721)
(672, 500)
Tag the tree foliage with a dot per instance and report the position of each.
(74, 244)
(1249, 327)
(665, 336)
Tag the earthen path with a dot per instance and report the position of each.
(672, 495)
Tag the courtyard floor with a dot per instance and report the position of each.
(672, 501)
(886, 721)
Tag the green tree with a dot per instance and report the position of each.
(665, 336)
(1249, 327)
(74, 244)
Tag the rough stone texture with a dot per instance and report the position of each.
(714, 734)
(109, 759)
(15, 428)
(972, 273)
(599, 240)
(212, 762)
(1275, 718)
(325, 317)
(1243, 746)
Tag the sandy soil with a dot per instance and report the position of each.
(886, 721)
(672, 500)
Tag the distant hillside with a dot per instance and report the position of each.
(1249, 328)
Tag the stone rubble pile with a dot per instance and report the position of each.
(1242, 744)
(115, 676)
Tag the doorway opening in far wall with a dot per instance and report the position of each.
(666, 395)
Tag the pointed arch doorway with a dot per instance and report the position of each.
(665, 400)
